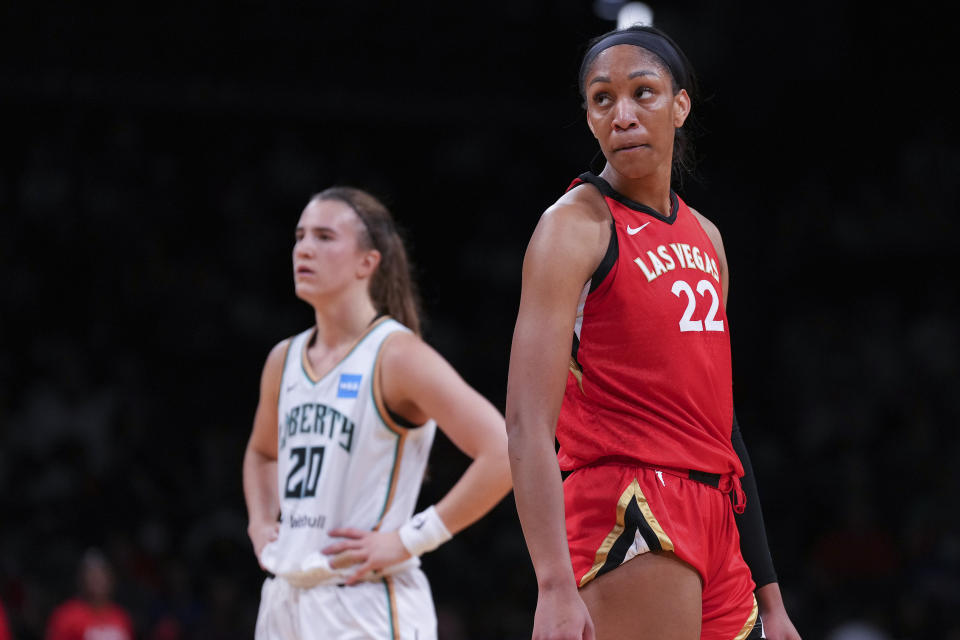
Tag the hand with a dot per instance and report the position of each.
(776, 622)
(261, 534)
(777, 626)
(561, 615)
(373, 551)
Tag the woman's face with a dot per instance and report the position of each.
(327, 255)
(632, 110)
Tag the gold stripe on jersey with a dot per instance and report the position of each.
(577, 373)
(392, 605)
(389, 423)
(751, 621)
(305, 361)
(378, 400)
(631, 493)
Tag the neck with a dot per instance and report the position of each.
(344, 320)
(652, 190)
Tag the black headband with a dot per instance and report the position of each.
(652, 42)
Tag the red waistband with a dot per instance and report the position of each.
(727, 483)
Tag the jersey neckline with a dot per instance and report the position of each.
(608, 191)
(305, 361)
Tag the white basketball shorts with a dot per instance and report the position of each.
(397, 607)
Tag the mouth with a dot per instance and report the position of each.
(631, 147)
(303, 271)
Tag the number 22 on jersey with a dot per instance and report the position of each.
(706, 289)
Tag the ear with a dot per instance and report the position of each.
(681, 108)
(590, 125)
(368, 263)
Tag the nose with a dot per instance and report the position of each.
(303, 248)
(624, 116)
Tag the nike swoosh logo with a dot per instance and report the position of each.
(291, 387)
(633, 231)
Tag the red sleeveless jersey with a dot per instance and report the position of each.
(651, 376)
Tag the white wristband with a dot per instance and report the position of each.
(424, 532)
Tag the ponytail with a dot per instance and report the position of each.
(391, 288)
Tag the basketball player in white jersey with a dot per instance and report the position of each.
(341, 437)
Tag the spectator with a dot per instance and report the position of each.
(93, 614)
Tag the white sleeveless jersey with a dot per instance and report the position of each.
(342, 460)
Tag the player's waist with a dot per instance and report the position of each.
(722, 481)
(726, 483)
(316, 572)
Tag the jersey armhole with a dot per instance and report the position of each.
(613, 246)
(393, 421)
(609, 259)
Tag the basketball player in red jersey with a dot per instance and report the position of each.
(640, 540)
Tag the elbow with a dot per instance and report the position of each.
(514, 424)
(517, 436)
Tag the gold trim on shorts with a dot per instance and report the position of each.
(633, 493)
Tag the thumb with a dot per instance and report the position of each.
(588, 633)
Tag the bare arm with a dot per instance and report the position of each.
(419, 384)
(260, 459)
(565, 249)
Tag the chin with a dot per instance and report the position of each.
(634, 170)
(303, 291)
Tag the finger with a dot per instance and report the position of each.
(337, 547)
(347, 559)
(348, 532)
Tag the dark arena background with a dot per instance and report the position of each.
(155, 158)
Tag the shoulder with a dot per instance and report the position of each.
(404, 351)
(273, 367)
(708, 227)
(410, 372)
(573, 230)
(278, 355)
(583, 204)
(712, 232)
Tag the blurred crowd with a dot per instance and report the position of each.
(125, 418)
(146, 276)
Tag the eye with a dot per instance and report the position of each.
(601, 98)
(644, 92)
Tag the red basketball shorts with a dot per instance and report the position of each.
(615, 512)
